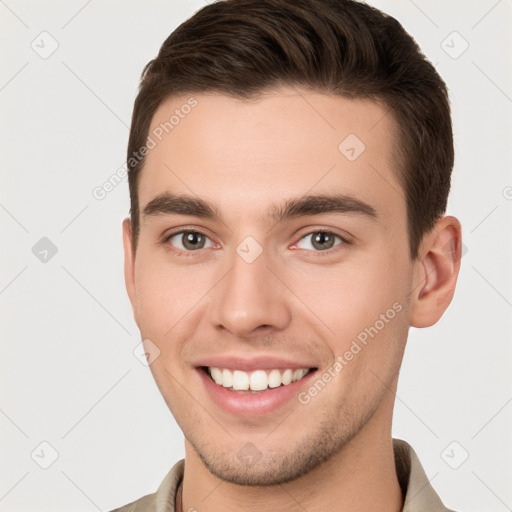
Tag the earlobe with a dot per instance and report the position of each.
(436, 272)
(129, 265)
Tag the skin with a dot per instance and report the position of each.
(294, 301)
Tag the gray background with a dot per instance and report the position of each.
(68, 373)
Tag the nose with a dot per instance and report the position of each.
(250, 300)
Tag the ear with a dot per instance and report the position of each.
(129, 265)
(436, 271)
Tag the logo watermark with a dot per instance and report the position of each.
(356, 346)
(100, 192)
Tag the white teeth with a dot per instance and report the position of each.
(258, 380)
(286, 378)
(297, 374)
(227, 379)
(240, 380)
(274, 379)
(216, 375)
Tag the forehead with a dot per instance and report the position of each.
(284, 143)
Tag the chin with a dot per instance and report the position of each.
(252, 466)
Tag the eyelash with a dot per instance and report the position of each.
(180, 252)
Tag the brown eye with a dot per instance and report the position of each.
(189, 240)
(321, 240)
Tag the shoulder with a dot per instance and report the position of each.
(419, 494)
(146, 503)
(163, 498)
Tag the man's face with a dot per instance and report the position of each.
(253, 291)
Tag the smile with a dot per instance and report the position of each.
(256, 381)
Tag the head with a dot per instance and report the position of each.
(309, 146)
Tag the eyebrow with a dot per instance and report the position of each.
(174, 204)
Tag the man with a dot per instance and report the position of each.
(289, 166)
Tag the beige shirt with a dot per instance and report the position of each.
(419, 494)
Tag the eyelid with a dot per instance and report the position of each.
(185, 229)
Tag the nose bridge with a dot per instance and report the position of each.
(249, 296)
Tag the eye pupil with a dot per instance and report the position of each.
(323, 241)
(192, 240)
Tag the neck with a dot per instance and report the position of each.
(360, 477)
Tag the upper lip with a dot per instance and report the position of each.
(251, 364)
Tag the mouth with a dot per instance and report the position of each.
(255, 391)
(257, 381)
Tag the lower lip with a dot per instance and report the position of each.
(253, 404)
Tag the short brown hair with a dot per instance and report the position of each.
(341, 47)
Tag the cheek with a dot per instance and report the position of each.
(352, 291)
(166, 294)
(154, 295)
(364, 301)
